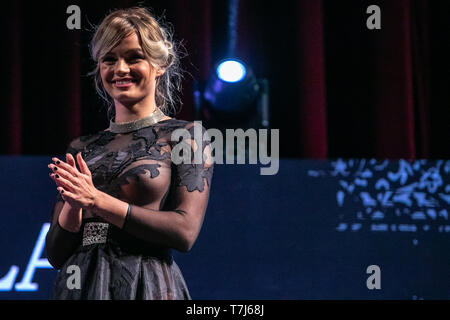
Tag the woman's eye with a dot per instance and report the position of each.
(134, 58)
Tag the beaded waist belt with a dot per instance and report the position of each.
(95, 232)
(102, 232)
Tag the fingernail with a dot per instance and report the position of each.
(57, 176)
(62, 191)
(58, 162)
(55, 168)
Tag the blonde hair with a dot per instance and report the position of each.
(157, 44)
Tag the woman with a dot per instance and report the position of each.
(123, 204)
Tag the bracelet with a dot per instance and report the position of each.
(127, 216)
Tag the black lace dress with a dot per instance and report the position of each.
(135, 167)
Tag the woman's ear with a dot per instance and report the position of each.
(160, 72)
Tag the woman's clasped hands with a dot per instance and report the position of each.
(75, 186)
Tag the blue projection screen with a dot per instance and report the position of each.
(315, 230)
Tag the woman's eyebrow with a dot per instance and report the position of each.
(137, 50)
(134, 49)
(129, 50)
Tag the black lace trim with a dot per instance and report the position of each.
(191, 176)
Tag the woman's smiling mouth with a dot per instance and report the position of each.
(123, 83)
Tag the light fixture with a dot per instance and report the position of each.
(230, 92)
(231, 70)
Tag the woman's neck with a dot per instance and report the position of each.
(135, 111)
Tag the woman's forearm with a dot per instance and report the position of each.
(167, 228)
(64, 236)
(70, 218)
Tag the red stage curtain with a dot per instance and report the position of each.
(337, 89)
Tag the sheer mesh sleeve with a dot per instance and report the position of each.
(60, 243)
(197, 172)
(180, 221)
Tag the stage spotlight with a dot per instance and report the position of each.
(231, 91)
(231, 71)
(232, 97)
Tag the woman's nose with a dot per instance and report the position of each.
(122, 66)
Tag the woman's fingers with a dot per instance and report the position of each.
(54, 178)
(83, 166)
(65, 193)
(70, 160)
(62, 182)
(63, 165)
(60, 172)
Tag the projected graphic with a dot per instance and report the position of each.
(396, 196)
(9, 281)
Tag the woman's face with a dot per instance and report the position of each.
(126, 75)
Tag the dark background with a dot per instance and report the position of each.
(337, 89)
